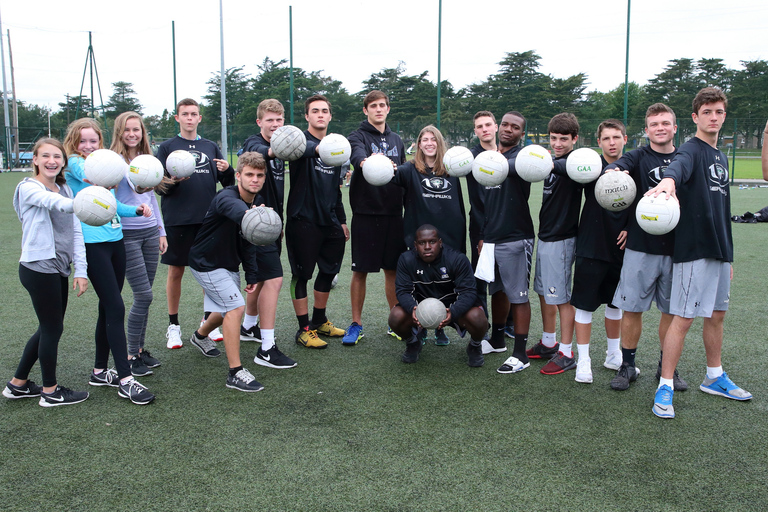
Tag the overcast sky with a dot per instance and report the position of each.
(349, 40)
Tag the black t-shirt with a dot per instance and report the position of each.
(646, 167)
(599, 228)
(274, 186)
(701, 179)
(507, 216)
(449, 278)
(365, 198)
(435, 200)
(476, 194)
(560, 204)
(219, 243)
(187, 201)
(315, 195)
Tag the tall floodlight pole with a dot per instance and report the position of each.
(223, 84)
(5, 101)
(626, 67)
(290, 37)
(439, 38)
(173, 48)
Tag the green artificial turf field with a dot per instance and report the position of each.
(352, 428)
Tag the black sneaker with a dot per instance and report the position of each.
(138, 368)
(206, 346)
(252, 334)
(62, 396)
(244, 381)
(151, 362)
(625, 375)
(441, 339)
(28, 390)
(135, 392)
(412, 351)
(421, 335)
(541, 351)
(273, 358)
(475, 354)
(106, 378)
(678, 383)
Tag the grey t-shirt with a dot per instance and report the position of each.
(64, 241)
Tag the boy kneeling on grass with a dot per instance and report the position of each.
(215, 260)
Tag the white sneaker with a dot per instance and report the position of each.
(584, 371)
(613, 360)
(174, 336)
(487, 348)
(214, 335)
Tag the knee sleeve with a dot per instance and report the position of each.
(583, 317)
(323, 282)
(612, 313)
(298, 288)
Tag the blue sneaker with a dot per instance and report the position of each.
(353, 334)
(662, 404)
(441, 339)
(724, 386)
(509, 331)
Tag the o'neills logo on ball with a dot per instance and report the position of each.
(337, 153)
(99, 203)
(537, 155)
(616, 190)
(649, 217)
(486, 171)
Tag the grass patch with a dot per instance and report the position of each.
(355, 429)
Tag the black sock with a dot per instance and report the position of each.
(628, 356)
(199, 336)
(318, 316)
(303, 320)
(521, 340)
(206, 315)
(233, 371)
(173, 319)
(497, 335)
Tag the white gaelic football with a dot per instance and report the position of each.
(181, 164)
(490, 168)
(95, 206)
(105, 168)
(615, 191)
(458, 161)
(261, 225)
(584, 165)
(145, 171)
(533, 163)
(288, 143)
(657, 215)
(378, 170)
(430, 313)
(334, 149)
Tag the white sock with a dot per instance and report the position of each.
(548, 339)
(126, 380)
(714, 372)
(583, 351)
(566, 349)
(249, 321)
(267, 339)
(668, 382)
(614, 344)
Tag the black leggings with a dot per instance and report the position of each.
(106, 270)
(49, 294)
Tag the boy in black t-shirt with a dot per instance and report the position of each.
(184, 203)
(701, 264)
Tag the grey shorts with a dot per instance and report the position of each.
(700, 287)
(554, 262)
(222, 290)
(645, 278)
(513, 270)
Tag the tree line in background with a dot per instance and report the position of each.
(518, 85)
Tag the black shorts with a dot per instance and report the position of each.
(180, 240)
(377, 242)
(594, 283)
(309, 244)
(268, 261)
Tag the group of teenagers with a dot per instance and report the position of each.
(413, 229)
